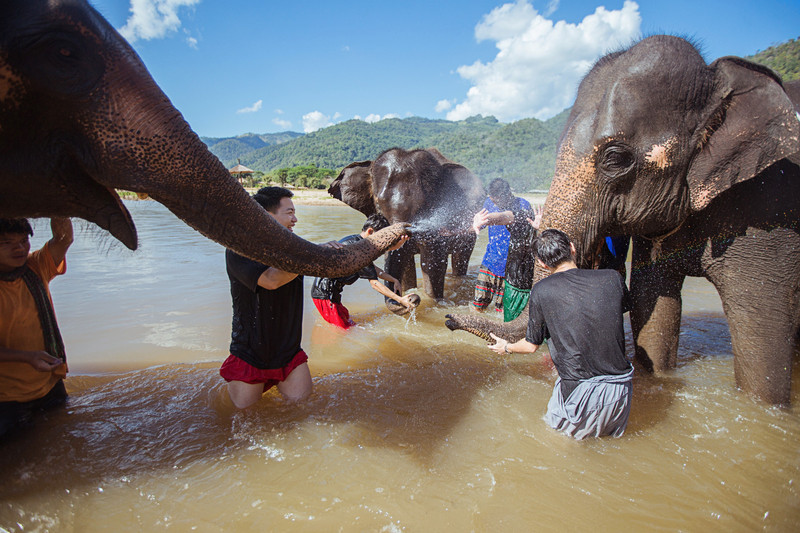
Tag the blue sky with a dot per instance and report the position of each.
(262, 66)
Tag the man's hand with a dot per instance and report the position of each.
(43, 361)
(479, 220)
(500, 346)
(403, 239)
(336, 245)
(406, 301)
(537, 217)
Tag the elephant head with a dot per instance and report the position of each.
(425, 189)
(656, 134)
(80, 116)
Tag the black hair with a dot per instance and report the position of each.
(500, 190)
(270, 197)
(552, 247)
(376, 221)
(16, 225)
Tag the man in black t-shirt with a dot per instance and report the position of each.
(267, 320)
(580, 311)
(327, 292)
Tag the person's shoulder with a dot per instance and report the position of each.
(523, 203)
(350, 239)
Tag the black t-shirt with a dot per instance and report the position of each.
(331, 288)
(519, 266)
(581, 312)
(267, 324)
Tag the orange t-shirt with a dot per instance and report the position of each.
(20, 329)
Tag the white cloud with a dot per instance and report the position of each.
(315, 120)
(539, 62)
(192, 42)
(252, 109)
(444, 105)
(374, 117)
(285, 124)
(153, 19)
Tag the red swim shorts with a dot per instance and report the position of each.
(336, 314)
(234, 369)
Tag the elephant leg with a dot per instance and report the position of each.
(400, 264)
(655, 311)
(433, 262)
(461, 252)
(759, 288)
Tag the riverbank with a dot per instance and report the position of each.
(321, 197)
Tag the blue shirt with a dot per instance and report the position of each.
(499, 238)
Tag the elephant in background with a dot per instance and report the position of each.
(425, 189)
(80, 116)
(700, 163)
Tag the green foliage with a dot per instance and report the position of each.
(783, 59)
(309, 176)
(522, 152)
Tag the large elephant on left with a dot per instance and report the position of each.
(80, 116)
(425, 189)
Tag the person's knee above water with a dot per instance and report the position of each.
(327, 292)
(579, 312)
(267, 319)
(521, 222)
(32, 356)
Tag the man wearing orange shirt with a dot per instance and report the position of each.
(32, 359)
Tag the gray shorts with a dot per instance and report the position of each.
(598, 406)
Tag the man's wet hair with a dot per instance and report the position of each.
(16, 225)
(500, 190)
(270, 197)
(377, 222)
(552, 248)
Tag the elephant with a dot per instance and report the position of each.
(80, 116)
(425, 189)
(699, 163)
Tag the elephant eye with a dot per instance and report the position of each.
(616, 161)
(60, 63)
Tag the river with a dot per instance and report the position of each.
(411, 427)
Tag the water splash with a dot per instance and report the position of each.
(412, 317)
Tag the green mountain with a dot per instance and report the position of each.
(231, 148)
(522, 152)
(783, 59)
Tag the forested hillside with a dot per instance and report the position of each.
(783, 59)
(522, 152)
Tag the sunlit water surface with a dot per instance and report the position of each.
(410, 427)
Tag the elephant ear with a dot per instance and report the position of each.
(353, 186)
(468, 182)
(750, 124)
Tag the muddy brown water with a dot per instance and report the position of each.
(410, 427)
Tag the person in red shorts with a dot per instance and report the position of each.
(267, 320)
(327, 292)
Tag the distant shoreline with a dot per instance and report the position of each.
(321, 197)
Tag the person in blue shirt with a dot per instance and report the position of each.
(491, 274)
(517, 219)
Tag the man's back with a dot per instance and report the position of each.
(581, 311)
